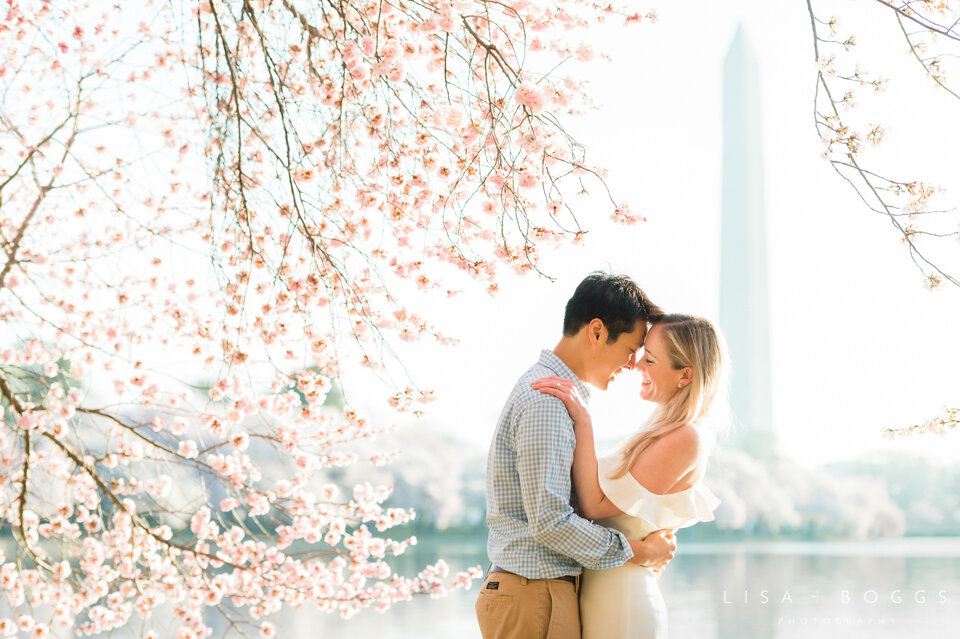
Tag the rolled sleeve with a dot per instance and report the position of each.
(545, 443)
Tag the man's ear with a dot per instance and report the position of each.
(596, 331)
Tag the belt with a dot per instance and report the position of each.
(571, 578)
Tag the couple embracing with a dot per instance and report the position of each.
(585, 558)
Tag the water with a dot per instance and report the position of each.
(772, 590)
(887, 589)
(884, 589)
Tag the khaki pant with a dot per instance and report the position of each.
(513, 607)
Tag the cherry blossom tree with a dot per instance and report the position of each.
(205, 211)
(914, 207)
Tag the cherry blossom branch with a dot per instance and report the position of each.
(904, 11)
(835, 132)
(14, 244)
(946, 422)
(33, 149)
(913, 49)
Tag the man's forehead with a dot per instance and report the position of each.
(641, 336)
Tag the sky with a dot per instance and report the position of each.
(857, 342)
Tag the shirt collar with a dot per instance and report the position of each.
(554, 363)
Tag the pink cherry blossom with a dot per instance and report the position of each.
(187, 448)
(529, 95)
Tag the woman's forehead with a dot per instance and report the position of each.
(653, 339)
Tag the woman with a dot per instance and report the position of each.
(652, 482)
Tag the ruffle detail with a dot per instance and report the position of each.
(677, 510)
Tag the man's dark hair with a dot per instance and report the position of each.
(616, 300)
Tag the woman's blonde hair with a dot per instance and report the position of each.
(697, 343)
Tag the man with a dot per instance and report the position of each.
(538, 545)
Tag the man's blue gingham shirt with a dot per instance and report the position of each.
(534, 530)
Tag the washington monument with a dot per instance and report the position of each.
(744, 304)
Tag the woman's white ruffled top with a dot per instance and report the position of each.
(677, 510)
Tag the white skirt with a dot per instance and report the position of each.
(622, 603)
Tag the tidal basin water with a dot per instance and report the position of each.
(765, 590)
(902, 588)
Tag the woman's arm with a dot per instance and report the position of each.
(586, 475)
(590, 498)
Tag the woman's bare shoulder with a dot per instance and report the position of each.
(670, 458)
(683, 441)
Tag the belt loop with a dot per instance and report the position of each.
(523, 581)
(576, 584)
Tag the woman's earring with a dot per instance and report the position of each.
(679, 385)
